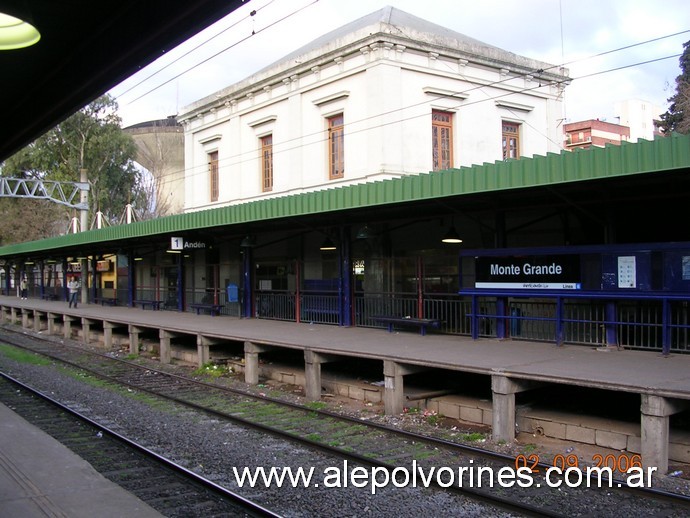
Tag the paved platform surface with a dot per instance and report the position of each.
(28, 484)
(39, 477)
(635, 371)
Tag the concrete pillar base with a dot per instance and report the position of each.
(655, 412)
(134, 339)
(312, 372)
(67, 327)
(393, 385)
(164, 340)
(251, 361)
(108, 334)
(203, 349)
(503, 407)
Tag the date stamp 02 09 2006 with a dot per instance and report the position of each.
(621, 463)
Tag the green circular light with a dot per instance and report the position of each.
(16, 33)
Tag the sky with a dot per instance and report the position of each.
(615, 50)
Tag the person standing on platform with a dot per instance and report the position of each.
(24, 288)
(73, 287)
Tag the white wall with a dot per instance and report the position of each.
(386, 93)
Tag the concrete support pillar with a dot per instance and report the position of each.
(393, 385)
(164, 339)
(251, 361)
(13, 315)
(203, 348)
(67, 327)
(312, 372)
(108, 334)
(50, 321)
(86, 330)
(25, 318)
(134, 339)
(37, 321)
(503, 406)
(655, 412)
(2, 314)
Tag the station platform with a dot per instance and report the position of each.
(636, 371)
(510, 366)
(39, 477)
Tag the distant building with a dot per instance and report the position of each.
(594, 132)
(160, 150)
(385, 96)
(639, 116)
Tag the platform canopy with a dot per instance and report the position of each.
(86, 48)
(644, 185)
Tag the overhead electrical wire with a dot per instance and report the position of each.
(253, 33)
(234, 158)
(202, 169)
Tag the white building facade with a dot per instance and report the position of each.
(639, 116)
(387, 95)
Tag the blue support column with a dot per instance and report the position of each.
(500, 317)
(665, 327)
(345, 286)
(247, 281)
(180, 283)
(130, 279)
(42, 285)
(559, 321)
(474, 320)
(94, 278)
(610, 325)
(65, 292)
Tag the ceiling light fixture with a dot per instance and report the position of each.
(327, 245)
(451, 236)
(16, 26)
(364, 232)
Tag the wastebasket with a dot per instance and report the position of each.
(232, 293)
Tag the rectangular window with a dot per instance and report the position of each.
(213, 174)
(336, 147)
(442, 139)
(267, 163)
(511, 140)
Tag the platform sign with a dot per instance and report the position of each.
(180, 243)
(553, 272)
(627, 272)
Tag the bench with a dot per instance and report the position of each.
(213, 309)
(421, 323)
(50, 296)
(155, 304)
(111, 301)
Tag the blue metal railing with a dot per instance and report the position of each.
(654, 321)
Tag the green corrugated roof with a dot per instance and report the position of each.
(661, 154)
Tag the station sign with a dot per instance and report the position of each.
(552, 272)
(180, 243)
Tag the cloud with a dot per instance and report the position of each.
(554, 32)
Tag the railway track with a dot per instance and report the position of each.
(362, 442)
(167, 487)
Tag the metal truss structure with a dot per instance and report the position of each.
(65, 193)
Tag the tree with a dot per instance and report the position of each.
(90, 139)
(677, 118)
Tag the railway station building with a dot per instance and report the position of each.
(396, 171)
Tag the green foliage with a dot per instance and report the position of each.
(212, 370)
(21, 356)
(677, 118)
(316, 405)
(472, 437)
(91, 139)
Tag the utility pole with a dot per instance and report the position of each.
(84, 220)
